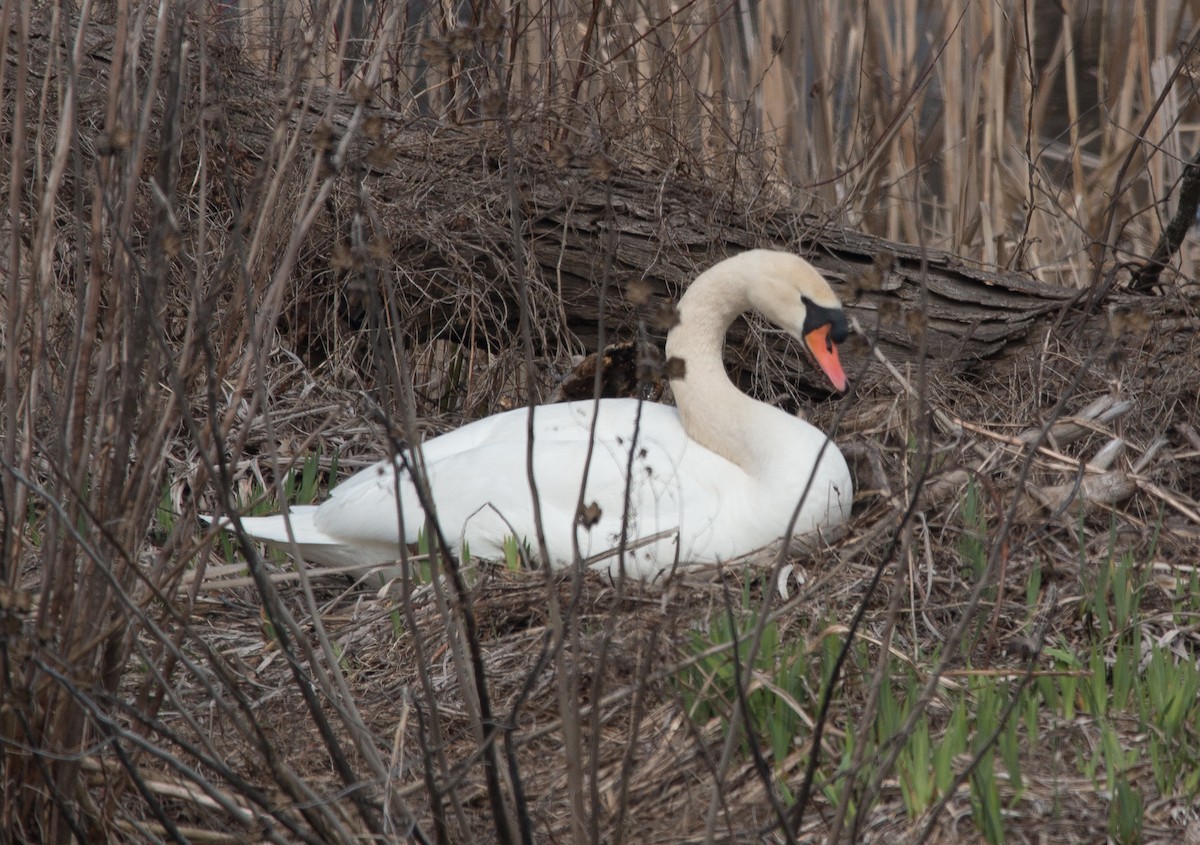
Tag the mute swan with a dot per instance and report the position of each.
(713, 479)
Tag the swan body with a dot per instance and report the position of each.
(715, 478)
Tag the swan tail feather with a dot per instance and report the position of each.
(314, 544)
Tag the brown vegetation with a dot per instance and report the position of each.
(234, 241)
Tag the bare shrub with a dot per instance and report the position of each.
(238, 235)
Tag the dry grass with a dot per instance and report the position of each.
(1017, 136)
(203, 284)
(1014, 135)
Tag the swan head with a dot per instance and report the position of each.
(789, 292)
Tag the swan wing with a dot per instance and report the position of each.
(480, 484)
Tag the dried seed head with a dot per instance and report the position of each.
(873, 277)
(381, 157)
(915, 322)
(561, 155)
(110, 143)
(380, 248)
(588, 514)
(373, 127)
(601, 167)
(322, 136)
(15, 601)
(460, 41)
(889, 311)
(665, 317)
(675, 369)
(437, 53)
(171, 244)
(361, 93)
(638, 291)
(342, 257)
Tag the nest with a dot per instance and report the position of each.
(1100, 472)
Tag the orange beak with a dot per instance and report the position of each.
(825, 351)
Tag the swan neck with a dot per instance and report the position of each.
(715, 413)
(706, 310)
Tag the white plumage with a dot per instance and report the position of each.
(716, 478)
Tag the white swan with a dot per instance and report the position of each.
(716, 478)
